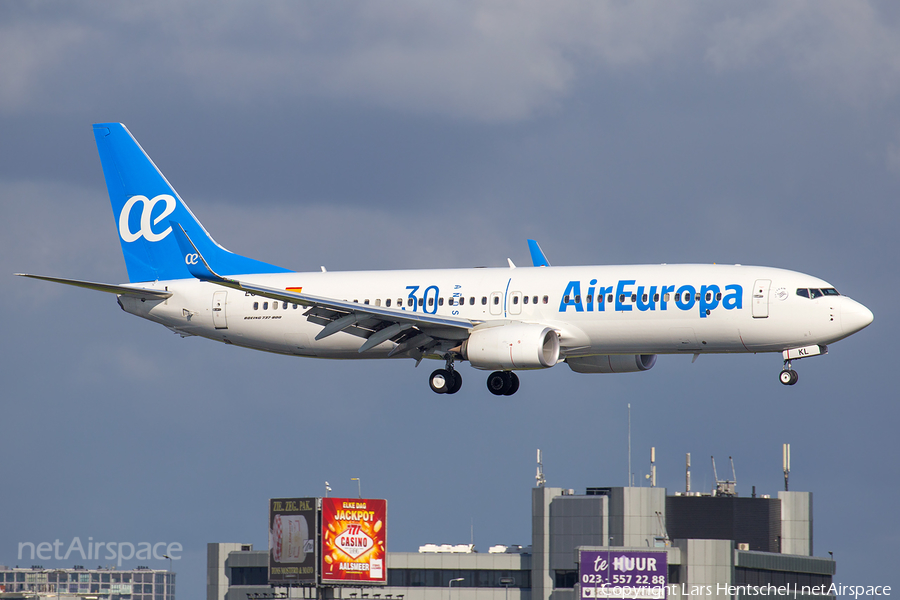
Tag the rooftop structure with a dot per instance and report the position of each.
(141, 583)
(702, 539)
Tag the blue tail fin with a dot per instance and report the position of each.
(144, 203)
(537, 255)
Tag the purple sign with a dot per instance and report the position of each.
(621, 574)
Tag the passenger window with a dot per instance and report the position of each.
(409, 302)
(515, 299)
(431, 302)
(421, 301)
(697, 296)
(284, 306)
(378, 302)
(274, 306)
(496, 300)
(546, 299)
(656, 297)
(600, 299)
(565, 299)
(534, 300)
(666, 297)
(644, 298)
(265, 306)
(256, 306)
(708, 296)
(525, 300)
(589, 299)
(366, 301)
(719, 297)
(483, 300)
(387, 302)
(472, 301)
(621, 298)
(634, 297)
(440, 301)
(400, 302)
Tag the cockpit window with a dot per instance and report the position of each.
(817, 292)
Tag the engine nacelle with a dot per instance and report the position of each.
(513, 346)
(612, 363)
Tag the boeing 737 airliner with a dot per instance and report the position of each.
(600, 319)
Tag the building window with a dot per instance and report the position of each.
(565, 579)
(440, 578)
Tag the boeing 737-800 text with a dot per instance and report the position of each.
(596, 319)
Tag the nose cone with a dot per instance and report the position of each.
(855, 316)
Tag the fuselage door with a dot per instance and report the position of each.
(761, 298)
(496, 303)
(515, 303)
(218, 310)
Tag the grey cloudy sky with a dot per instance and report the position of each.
(403, 135)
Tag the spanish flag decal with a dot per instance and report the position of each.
(294, 289)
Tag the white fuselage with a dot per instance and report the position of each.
(718, 309)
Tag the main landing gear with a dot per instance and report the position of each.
(788, 376)
(446, 380)
(503, 383)
(449, 381)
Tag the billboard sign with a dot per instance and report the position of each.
(354, 541)
(622, 574)
(292, 541)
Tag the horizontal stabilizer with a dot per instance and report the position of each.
(120, 290)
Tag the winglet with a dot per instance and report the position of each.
(537, 255)
(194, 261)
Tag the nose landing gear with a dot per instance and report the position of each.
(788, 376)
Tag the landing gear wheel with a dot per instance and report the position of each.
(442, 380)
(503, 383)
(499, 383)
(457, 383)
(788, 377)
(513, 384)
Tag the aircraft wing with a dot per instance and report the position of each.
(120, 290)
(415, 333)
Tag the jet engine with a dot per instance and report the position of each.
(512, 346)
(612, 363)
